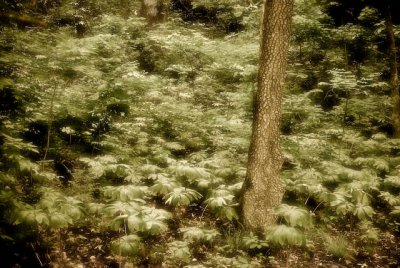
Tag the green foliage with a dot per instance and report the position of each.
(181, 196)
(162, 115)
(294, 216)
(338, 246)
(369, 15)
(392, 183)
(380, 165)
(178, 252)
(95, 208)
(396, 211)
(106, 169)
(309, 23)
(125, 192)
(221, 202)
(363, 211)
(163, 185)
(11, 144)
(54, 211)
(122, 208)
(370, 234)
(137, 217)
(252, 242)
(357, 203)
(129, 246)
(34, 216)
(196, 234)
(392, 200)
(242, 260)
(341, 203)
(283, 236)
(155, 220)
(190, 173)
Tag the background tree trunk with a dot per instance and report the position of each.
(394, 77)
(155, 11)
(263, 190)
(125, 8)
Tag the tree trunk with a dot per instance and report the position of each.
(125, 8)
(155, 11)
(394, 77)
(23, 19)
(263, 190)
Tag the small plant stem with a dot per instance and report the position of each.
(320, 203)
(60, 246)
(345, 113)
(37, 255)
(308, 197)
(202, 213)
(287, 258)
(120, 250)
(49, 123)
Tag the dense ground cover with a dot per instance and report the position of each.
(127, 146)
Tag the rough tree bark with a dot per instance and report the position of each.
(262, 190)
(394, 76)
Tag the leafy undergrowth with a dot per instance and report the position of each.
(149, 129)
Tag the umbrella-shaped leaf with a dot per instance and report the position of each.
(59, 220)
(282, 235)
(127, 246)
(136, 223)
(181, 196)
(294, 216)
(363, 211)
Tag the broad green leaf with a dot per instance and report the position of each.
(124, 193)
(363, 211)
(163, 185)
(390, 199)
(179, 250)
(33, 216)
(129, 246)
(95, 208)
(283, 235)
(191, 173)
(395, 211)
(136, 223)
(60, 220)
(181, 196)
(253, 242)
(119, 207)
(196, 234)
(294, 216)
